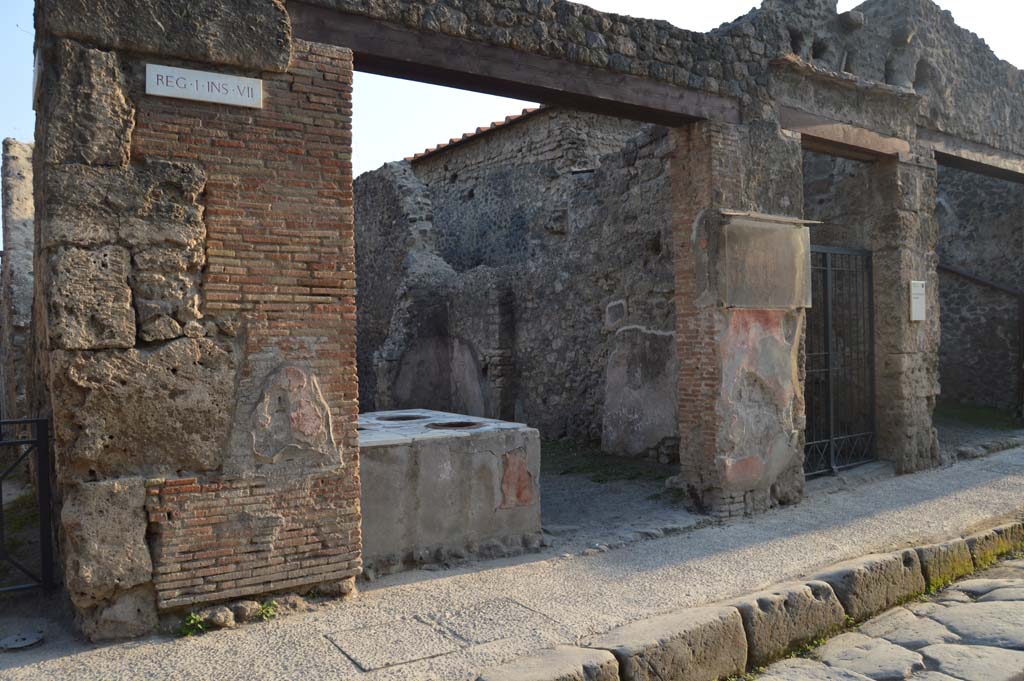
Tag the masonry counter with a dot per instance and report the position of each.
(440, 488)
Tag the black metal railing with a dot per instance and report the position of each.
(840, 354)
(30, 441)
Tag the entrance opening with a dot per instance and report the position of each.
(839, 390)
(840, 342)
(981, 358)
(523, 272)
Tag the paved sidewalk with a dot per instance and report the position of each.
(973, 631)
(464, 621)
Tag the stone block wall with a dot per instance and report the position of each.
(195, 298)
(16, 281)
(981, 231)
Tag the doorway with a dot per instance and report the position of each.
(840, 384)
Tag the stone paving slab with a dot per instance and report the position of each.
(582, 597)
(875, 658)
(808, 670)
(936, 640)
(902, 627)
(976, 663)
(562, 664)
(394, 643)
(997, 624)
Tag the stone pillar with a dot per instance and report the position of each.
(195, 290)
(741, 397)
(16, 280)
(904, 233)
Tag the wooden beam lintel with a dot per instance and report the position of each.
(828, 136)
(391, 50)
(976, 158)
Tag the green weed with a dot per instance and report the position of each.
(193, 625)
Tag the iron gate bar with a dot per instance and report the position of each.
(39, 444)
(841, 420)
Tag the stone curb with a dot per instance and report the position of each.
(699, 644)
(777, 620)
(720, 641)
(943, 564)
(874, 583)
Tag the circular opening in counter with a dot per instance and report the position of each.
(454, 425)
(406, 417)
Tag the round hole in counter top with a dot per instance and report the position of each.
(454, 425)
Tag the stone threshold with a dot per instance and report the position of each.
(990, 447)
(745, 634)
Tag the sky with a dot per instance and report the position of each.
(393, 118)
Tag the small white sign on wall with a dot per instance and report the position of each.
(918, 301)
(204, 86)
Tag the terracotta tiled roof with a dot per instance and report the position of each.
(476, 133)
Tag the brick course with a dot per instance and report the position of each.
(226, 539)
(280, 275)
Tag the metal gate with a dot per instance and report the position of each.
(25, 443)
(840, 386)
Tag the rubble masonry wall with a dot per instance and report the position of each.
(981, 231)
(573, 332)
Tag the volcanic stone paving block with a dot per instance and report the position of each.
(438, 487)
(953, 636)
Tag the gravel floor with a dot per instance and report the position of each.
(447, 626)
(956, 434)
(973, 631)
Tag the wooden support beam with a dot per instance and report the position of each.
(977, 158)
(828, 136)
(391, 50)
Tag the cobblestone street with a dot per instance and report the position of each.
(972, 631)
